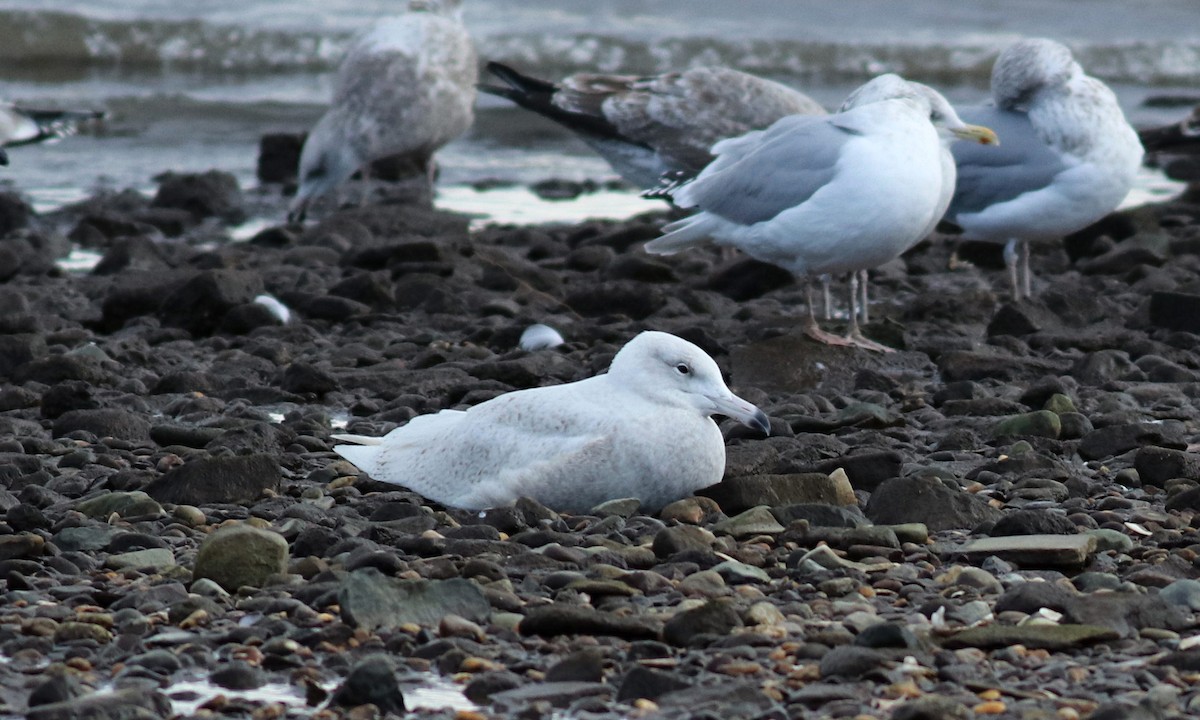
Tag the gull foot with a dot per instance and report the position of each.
(827, 338)
(857, 339)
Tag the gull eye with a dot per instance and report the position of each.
(683, 369)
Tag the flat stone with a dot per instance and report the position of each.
(736, 495)
(1035, 550)
(755, 521)
(369, 599)
(1033, 635)
(557, 694)
(153, 558)
(555, 620)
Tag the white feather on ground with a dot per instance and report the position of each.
(406, 87)
(641, 430)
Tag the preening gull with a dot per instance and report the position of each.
(25, 126)
(647, 126)
(641, 430)
(406, 87)
(1069, 156)
(833, 194)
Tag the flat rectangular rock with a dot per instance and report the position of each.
(1035, 550)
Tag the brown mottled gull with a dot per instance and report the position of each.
(406, 87)
(647, 126)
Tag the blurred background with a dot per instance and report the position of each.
(192, 86)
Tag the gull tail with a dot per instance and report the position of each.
(359, 439)
(690, 232)
(538, 95)
(41, 125)
(364, 454)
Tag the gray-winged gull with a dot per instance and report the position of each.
(1069, 156)
(833, 194)
(647, 126)
(939, 111)
(641, 430)
(25, 126)
(406, 87)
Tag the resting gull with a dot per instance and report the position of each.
(648, 126)
(406, 87)
(833, 194)
(641, 430)
(26, 126)
(1069, 156)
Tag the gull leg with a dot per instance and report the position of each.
(827, 296)
(864, 280)
(813, 330)
(1011, 263)
(1026, 276)
(854, 333)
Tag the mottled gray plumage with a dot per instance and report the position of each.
(406, 87)
(647, 126)
(1067, 158)
(25, 126)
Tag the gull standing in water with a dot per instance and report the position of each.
(646, 127)
(1069, 156)
(406, 87)
(642, 430)
(833, 194)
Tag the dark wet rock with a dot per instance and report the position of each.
(641, 682)
(371, 600)
(200, 304)
(1023, 318)
(247, 317)
(733, 700)
(240, 479)
(1175, 311)
(851, 662)
(238, 675)
(714, 619)
(556, 694)
(372, 681)
(821, 515)
(58, 688)
(14, 214)
(105, 422)
(747, 279)
(1033, 522)
(932, 707)
(209, 194)
(1041, 423)
(1157, 465)
(585, 665)
(16, 350)
(1184, 593)
(237, 555)
(66, 396)
(929, 501)
(118, 705)
(886, 635)
(1113, 440)
(279, 157)
(1124, 613)
(866, 470)
(682, 538)
(484, 685)
(555, 620)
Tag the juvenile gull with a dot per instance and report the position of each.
(406, 87)
(1069, 156)
(642, 430)
(833, 194)
(647, 126)
(25, 126)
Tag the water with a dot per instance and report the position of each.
(192, 86)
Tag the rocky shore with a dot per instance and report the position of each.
(998, 520)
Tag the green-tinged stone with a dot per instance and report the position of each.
(125, 504)
(1059, 404)
(237, 555)
(1041, 423)
(1045, 637)
(152, 558)
(755, 521)
(1111, 540)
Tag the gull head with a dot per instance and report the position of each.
(672, 370)
(1028, 67)
(327, 160)
(941, 113)
(948, 124)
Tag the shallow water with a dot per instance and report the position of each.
(193, 86)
